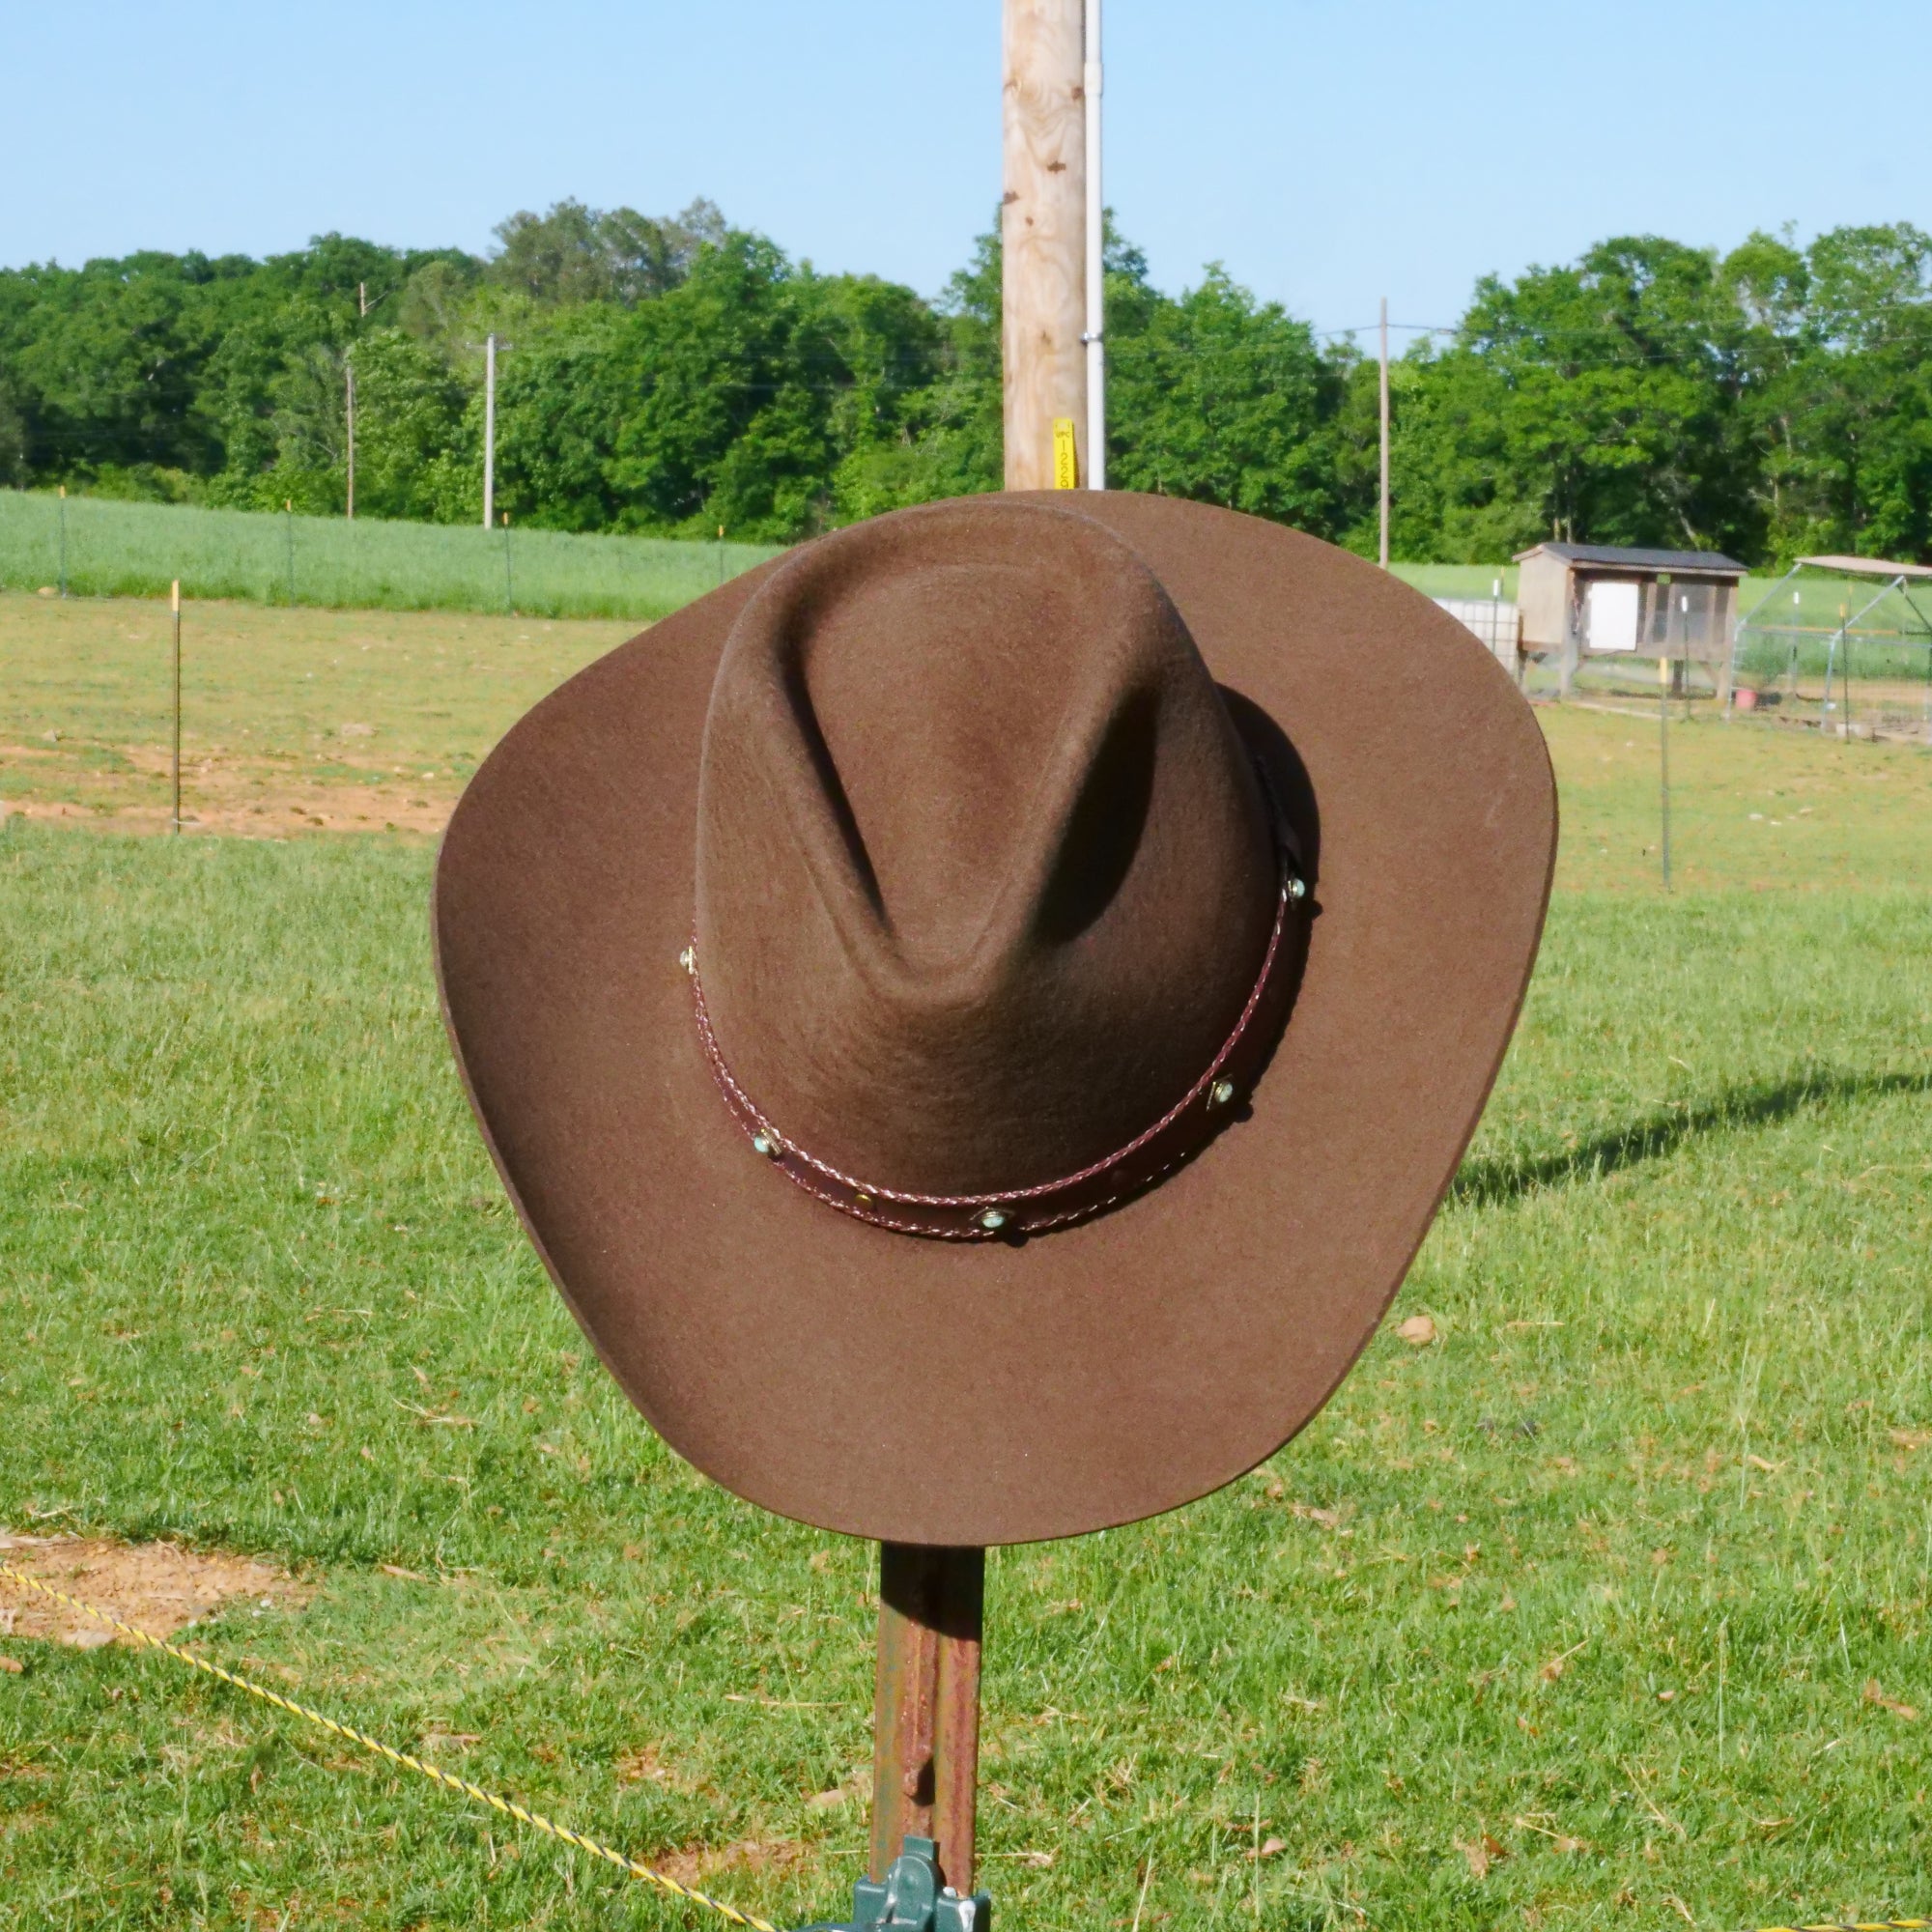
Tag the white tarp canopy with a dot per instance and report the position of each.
(1867, 566)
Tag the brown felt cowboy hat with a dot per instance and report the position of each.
(977, 1014)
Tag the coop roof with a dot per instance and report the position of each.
(1710, 563)
(1868, 566)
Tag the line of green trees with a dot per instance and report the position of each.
(674, 374)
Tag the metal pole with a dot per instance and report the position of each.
(1097, 283)
(62, 539)
(1680, 675)
(488, 430)
(1680, 664)
(509, 589)
(1664, 758)
(925, 1742)
(289, 520)
(1042, 228)
(349, 376)
(1797, 640)
(175, 602)
(1898, 583)
(1383, 500)
(1770, 594)
(1831, 664)
(1845, 676)
(1847, 618)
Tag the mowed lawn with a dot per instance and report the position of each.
(291, 719)
(1607, 1606)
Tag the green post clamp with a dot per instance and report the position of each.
(912, 1899)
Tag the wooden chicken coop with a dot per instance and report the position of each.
(1586, 602)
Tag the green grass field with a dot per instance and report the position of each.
(1608, 1607)
(303, 720)
(291, 719)
(115, 549)
(136, 549)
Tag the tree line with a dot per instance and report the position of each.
(674, 375)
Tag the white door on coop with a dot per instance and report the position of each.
(1613, 615)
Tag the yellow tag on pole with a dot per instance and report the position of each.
(1065, 457)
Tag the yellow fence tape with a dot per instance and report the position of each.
(535, 1820)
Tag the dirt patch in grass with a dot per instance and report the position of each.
(293, 721)
(254, 798)
(158, 1587)
(696, 1863)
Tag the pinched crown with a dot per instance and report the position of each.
(986, 885)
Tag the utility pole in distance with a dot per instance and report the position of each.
(1043, 237)
(1383, 500)
(488, 429)
(349, 372)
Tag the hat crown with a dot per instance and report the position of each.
(983, 871)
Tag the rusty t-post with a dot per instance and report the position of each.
(925, 1739)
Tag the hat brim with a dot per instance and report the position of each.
(925, 1392)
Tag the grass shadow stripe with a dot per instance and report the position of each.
(1661, 1131)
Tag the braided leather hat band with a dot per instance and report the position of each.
(1180, 1133)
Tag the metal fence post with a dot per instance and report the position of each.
(925, 1741)
(175, 601)
(1664, 759)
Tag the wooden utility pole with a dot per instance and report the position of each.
(1383, 500)
(1093, 335)
(925, 1737)
(1043, 237)
(488, 430)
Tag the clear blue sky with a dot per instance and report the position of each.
(1327, 153)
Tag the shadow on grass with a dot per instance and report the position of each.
(1510, 1177)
